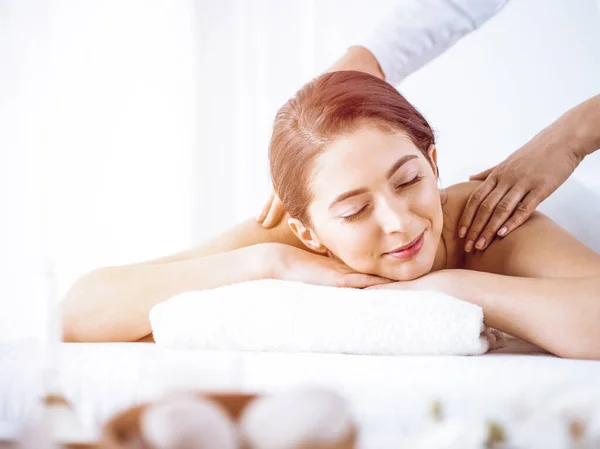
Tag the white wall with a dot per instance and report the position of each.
(153, 118)
(99, 97)
(485, 97)
(498, 87)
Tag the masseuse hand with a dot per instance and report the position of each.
(356, 58)
(294, 264)
(512, 190)
(272, 212)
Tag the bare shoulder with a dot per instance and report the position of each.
(538, 248)
(246, 233)
(454, 200)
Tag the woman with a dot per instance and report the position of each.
(355, 166)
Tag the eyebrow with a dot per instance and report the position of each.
(399, 163)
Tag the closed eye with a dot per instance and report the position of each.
(356, 215)
(409, 183)
(363, 210)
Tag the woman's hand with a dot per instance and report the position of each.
(511, 191)
(439, 281)
(272, 212)
(294, 264)
(398, 285)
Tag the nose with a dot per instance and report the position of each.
(394, 215)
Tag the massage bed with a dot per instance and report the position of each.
(389, 395)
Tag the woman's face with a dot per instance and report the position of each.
(377, 204)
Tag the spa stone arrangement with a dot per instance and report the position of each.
(311, 418)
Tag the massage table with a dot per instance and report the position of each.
(390, 396)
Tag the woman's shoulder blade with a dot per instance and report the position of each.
(538, 248)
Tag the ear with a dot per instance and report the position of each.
(432, 153)
(306, 236)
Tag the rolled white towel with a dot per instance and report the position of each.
(273, 315)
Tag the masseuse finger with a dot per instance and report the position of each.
(473, 204)
(275, 213)
(485, 211)
(522, 211)
(483, 175)
(265, 210)
(502, 212)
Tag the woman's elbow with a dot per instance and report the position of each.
(576, 333)
(582, 347)
(80, 307)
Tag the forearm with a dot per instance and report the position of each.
(586, 123)
(112, 303)
(559, 315)
(360, 59)
(415, 32)
(577, 130)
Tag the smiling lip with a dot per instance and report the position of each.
(410, 250)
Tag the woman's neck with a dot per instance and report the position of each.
(441, 256)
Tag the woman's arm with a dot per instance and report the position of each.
(112, 303)
(559, 315)
(539, 283)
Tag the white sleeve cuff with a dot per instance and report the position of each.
(417, 31)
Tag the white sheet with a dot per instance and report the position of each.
(389, 394)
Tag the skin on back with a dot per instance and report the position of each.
(538, 249)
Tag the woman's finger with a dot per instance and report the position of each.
(376, 287)
(502, 212)
(473, 203)
(483, 175)
(360, 280)
(484, 212)
(394, 285)
(522, 212)
(265, 210)
(275, 214)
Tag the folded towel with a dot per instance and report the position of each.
(273, 315)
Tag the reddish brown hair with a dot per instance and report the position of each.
(329, 107)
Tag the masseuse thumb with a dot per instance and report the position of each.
(483, 175)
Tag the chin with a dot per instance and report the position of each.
(415, 267)
(409, 275)
(408, 270)
(421, 271)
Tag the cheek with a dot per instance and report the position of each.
(427, 204)
(352, 243)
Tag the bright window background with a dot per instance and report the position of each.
(146, 122)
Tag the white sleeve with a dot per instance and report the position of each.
(417, 31)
